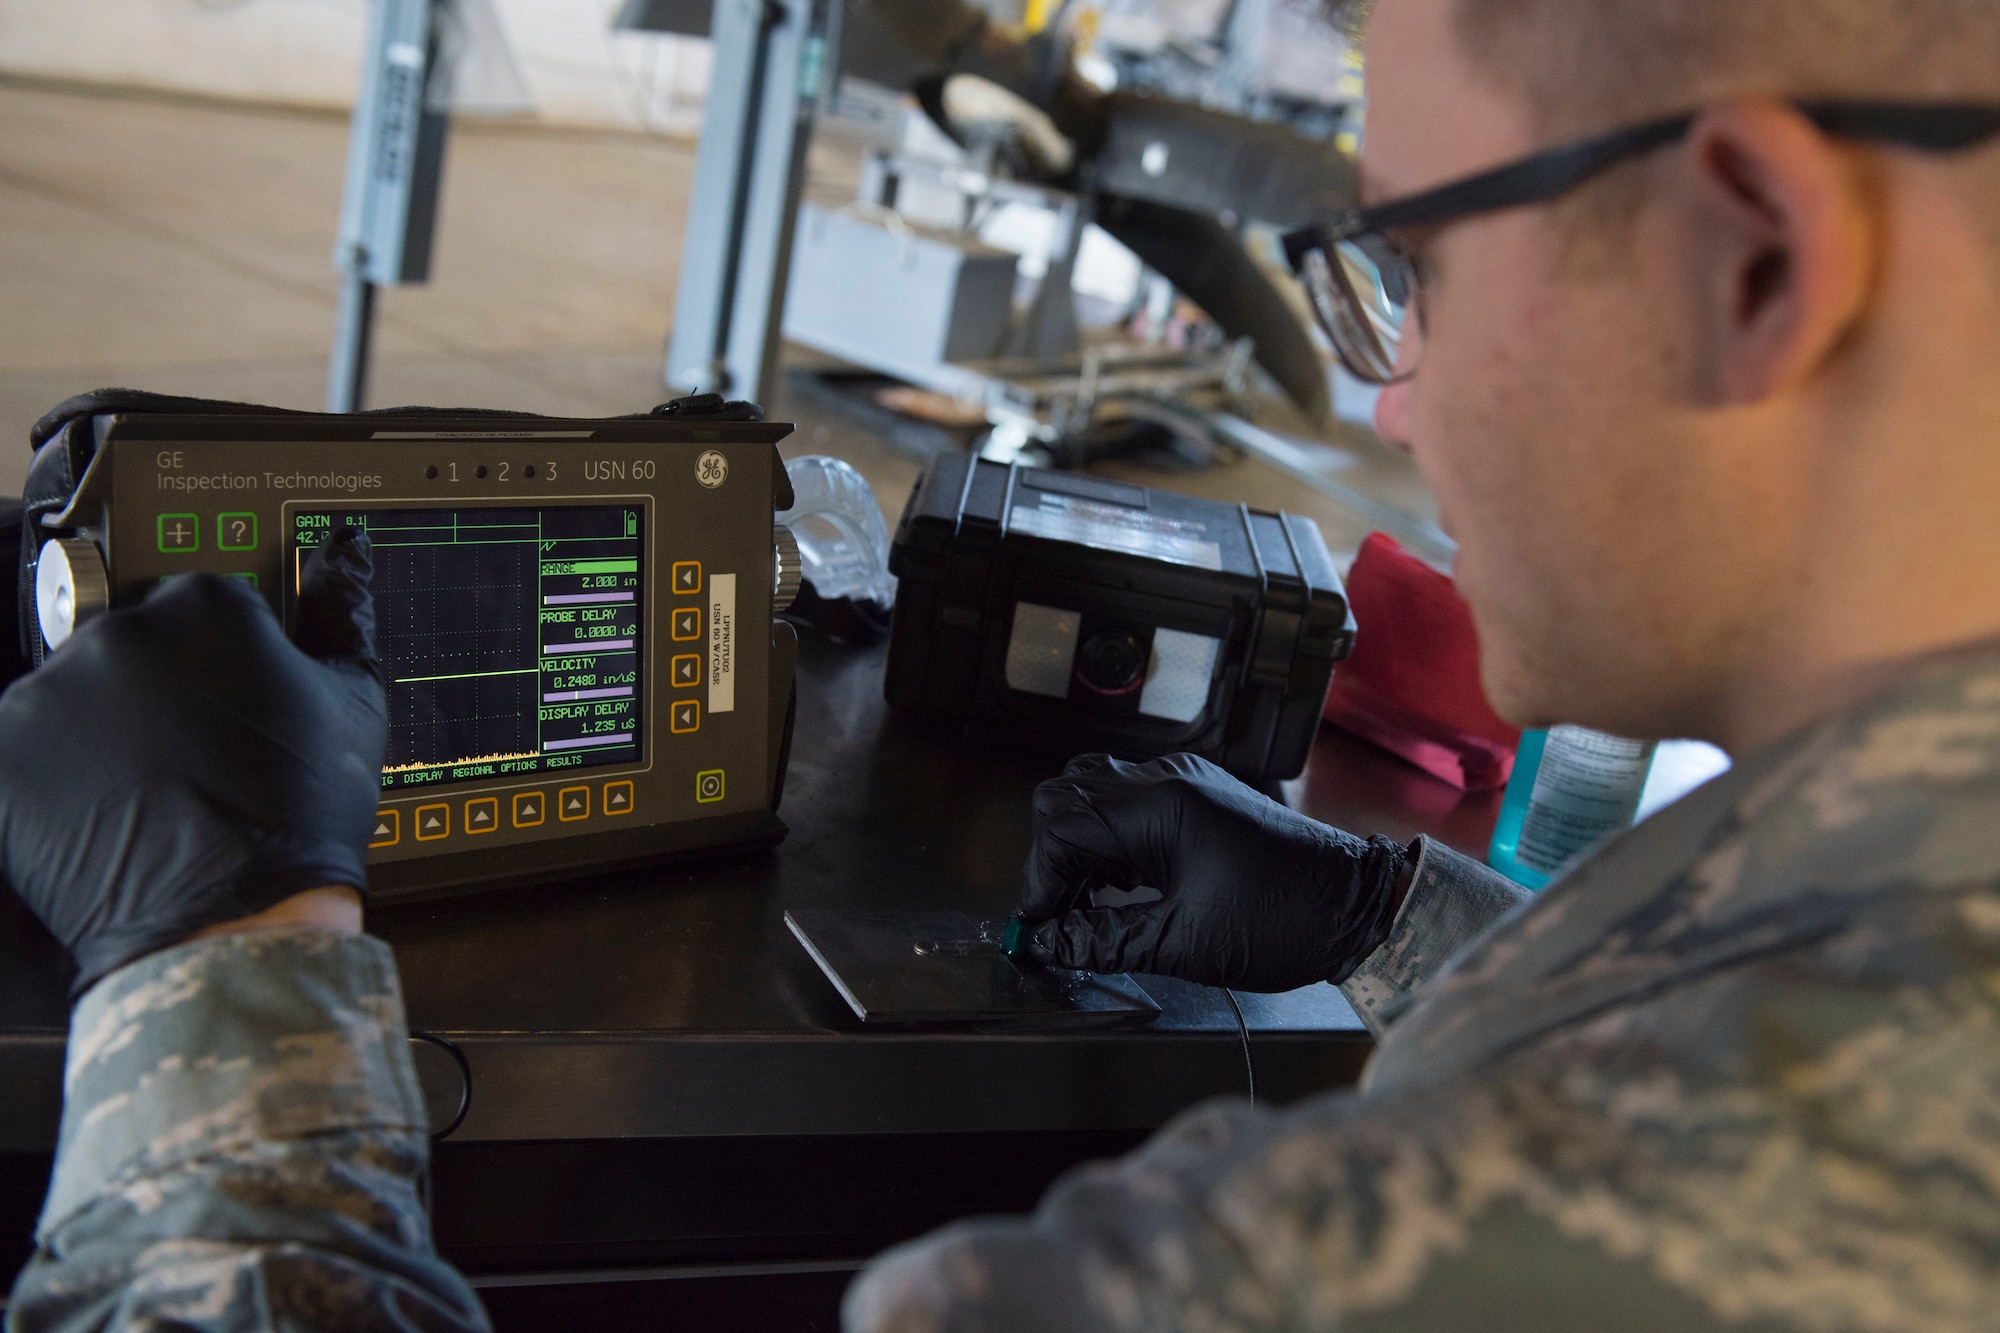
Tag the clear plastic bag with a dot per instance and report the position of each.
(843, 542)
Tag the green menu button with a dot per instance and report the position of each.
(236, 532)
(179, 532)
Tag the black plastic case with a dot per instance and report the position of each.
(980, 539)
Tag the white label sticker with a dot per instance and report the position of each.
(1588, 786)
(1065, 518)
(1183, 668)
(721, 643)
(1040, 649)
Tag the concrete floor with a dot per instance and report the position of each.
(182, 246)
(185, 247)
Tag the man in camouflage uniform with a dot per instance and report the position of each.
(1715, 433)
(242, 1134)
(1715, 429)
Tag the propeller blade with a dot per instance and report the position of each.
(1208, 264)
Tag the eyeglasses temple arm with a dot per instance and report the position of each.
(1932, 127)
(1530, 181)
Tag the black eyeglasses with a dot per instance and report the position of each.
(1362, 284)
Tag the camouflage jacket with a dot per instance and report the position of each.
(242, 1141)
(1741, 1067)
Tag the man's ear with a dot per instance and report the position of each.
(1777, 251)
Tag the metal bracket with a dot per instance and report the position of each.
(395, 163)
(771, 65)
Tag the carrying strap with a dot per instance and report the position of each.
(106, 402)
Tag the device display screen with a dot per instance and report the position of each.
(511, 637)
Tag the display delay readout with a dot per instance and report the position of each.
(511, 638)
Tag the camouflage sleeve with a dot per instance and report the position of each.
(241, 1142)
(1805, 1153)
(1452, 900)
(1384, 1215)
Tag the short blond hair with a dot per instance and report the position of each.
(1586, 65)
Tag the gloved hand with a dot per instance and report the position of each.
(178, 764)
(1256, 896)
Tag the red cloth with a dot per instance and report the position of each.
(1412, 685)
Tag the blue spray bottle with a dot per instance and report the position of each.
(1571, 787)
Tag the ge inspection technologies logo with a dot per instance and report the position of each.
(711, 469)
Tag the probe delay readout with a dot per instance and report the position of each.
(510, 638)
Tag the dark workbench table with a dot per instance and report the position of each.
(662, 1076)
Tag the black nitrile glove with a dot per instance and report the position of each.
(179, 764)
(1256, 896)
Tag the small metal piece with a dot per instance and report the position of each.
(946, 967)
(70, 587)
(789, 571)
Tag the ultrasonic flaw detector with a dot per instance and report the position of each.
(575, 618)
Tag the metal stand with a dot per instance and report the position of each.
(395, 163)
(1048, 328)
(770, 66)
(353, 330)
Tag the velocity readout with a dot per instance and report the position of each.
(511, 638)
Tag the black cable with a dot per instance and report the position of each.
(450, 1048)
(1243, 1032)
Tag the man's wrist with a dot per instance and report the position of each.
(333, 907)
(212, 1068)
(1406, 876)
